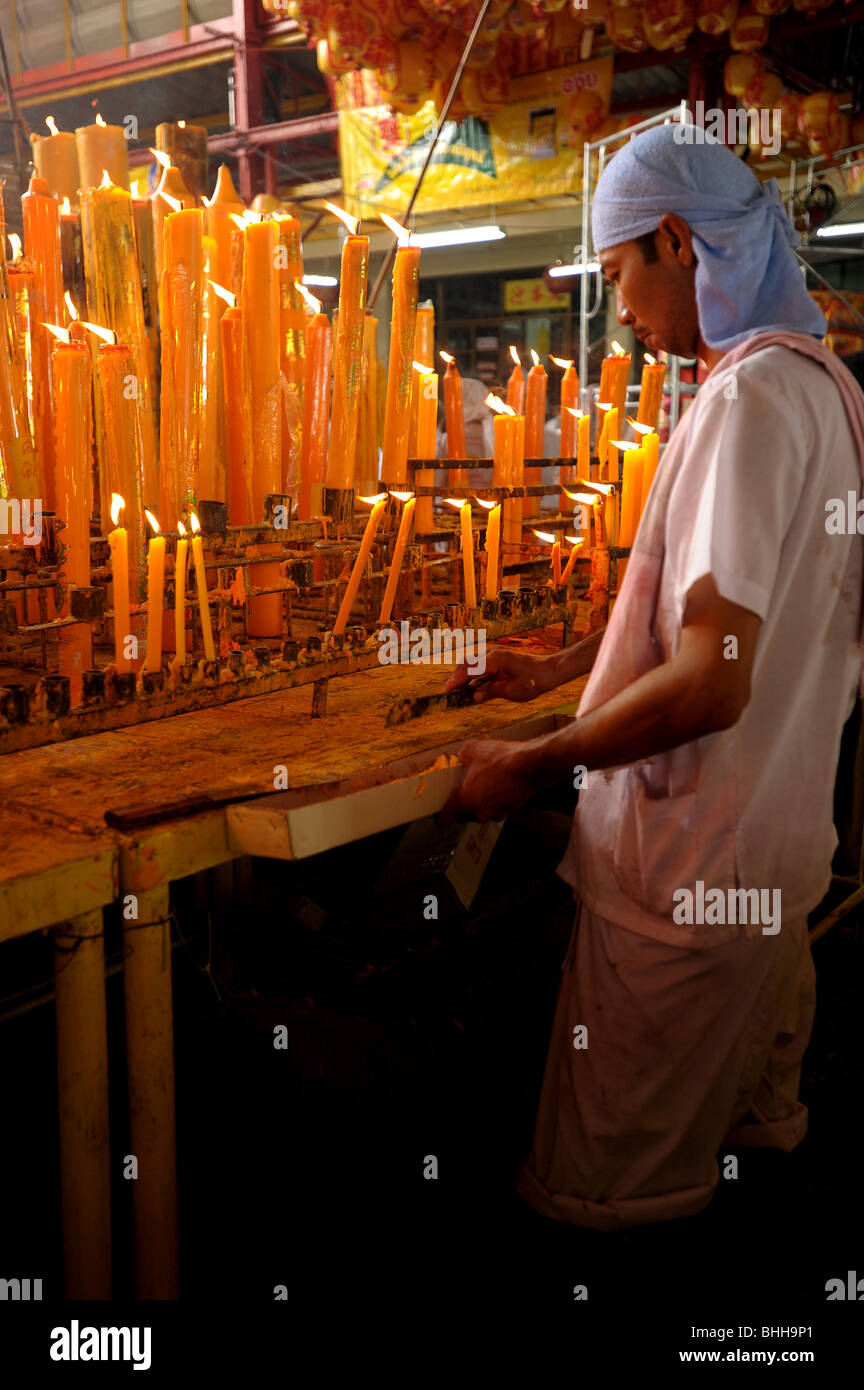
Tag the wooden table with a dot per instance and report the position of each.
(60, 866)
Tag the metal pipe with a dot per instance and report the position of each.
(445, 111)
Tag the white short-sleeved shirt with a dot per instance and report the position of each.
(766, 445)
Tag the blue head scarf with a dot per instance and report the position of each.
(747, 278)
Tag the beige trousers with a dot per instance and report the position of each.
(685, 1049)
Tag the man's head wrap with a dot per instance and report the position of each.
(748, 279)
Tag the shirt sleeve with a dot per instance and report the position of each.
(735, 495)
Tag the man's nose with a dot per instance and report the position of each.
(625, 318)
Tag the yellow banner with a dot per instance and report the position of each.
(531, 148)
(520, 296)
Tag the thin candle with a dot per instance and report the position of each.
(576, 542)
(361, 562)
(180, 563)
(155, 595)
(549, 539)
(467, 543)
(493, 550)
(118, 544)
(201, 586)
(405, 522)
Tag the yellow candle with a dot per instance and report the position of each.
(201, 586)
(467, 542)
(398, 555)
(56, 159)
(180, 595)
(571, 559)
(427, 422)
(359, 565)
(651, 447)
(493, 547)
(155, 596)
(406, 275)
(100, 147)
(118, 543)
(513, 508)
(583, 446)
(631, 494)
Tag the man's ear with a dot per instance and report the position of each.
(677, 236)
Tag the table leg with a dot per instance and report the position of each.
(82, 1090)
(150, 1065)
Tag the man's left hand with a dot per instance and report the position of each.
(497, 781)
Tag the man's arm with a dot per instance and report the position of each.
(699, 691)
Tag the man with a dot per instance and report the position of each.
(710, 726)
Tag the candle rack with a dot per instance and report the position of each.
(312, 565)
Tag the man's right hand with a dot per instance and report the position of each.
(510, 675)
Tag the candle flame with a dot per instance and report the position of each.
(395, 227)
(445, 357)
(70, 306)
(561, 361)
(311, 302)
(15, 243)
(651, 360)
(604, 405)
(154, 524)
(487, 505)
(66, 207)
(107, 334)
(194, 523)
(418, 367)
(351, 223)
(640, 429)
(626, 445)
(500, 407)
(99, 120)
(117, 505)
(514, 354)
(174, 203)
(52, 125)
(162, 159)
(403, 496)
(61, 334)
(107, 181)
(534, 358)
(228, 295)
(458, 502)
(588, 499)
(575, 540)
(545, 536)
(238, 221)
(181, 528)
(574, 410)
(181, 125)
(604, 488)
(617, 349)
(373, 501)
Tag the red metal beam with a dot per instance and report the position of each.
(280, 132)
(248, 95)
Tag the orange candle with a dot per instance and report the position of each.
(651, 391)
(577, 542)
(316, 413)
(115, 301)
(212, 481)
(201, 586)
(516, 385)
(262, 361)
(31, 365)
(118, 544)
(181, 315)
(406, 276)
(631, 492)
(360, 563)
(366, 458)
(569, 403)
(493, 546)
(101, 147)
(73, 424)
(535, 423)
(651, 446)
(119, 449)
(232, 375)
(225, 203)
(424, 351)
(180, 563)
(171, 183)
(614, 371)
(56, 159)
(454, 415)
(347, 358)
(513, 523)
(427, 424)
(402, 537)
(467, 544)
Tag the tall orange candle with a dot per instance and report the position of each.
(181, 315)
(402, 536)
(56, 159)
(170, 183)
(454, 415)
(513, 522)
(118, 544)
(406, 277)
(362, 560)
(212, 482)
(651, 391)
(427, 422)
(535, 424)
(516, 385)
(424, 351)
(631, 492)
(614, 371)
(119, 448)
(366, 457)
(316, 412)
(569, 402)
(101, 147)
(31, 365)
(225, 204)
(238, 489)
(347, 358)
(73, 426)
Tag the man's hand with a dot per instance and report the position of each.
(509, 675)
(497, 781)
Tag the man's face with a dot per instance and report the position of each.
(657, 298)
